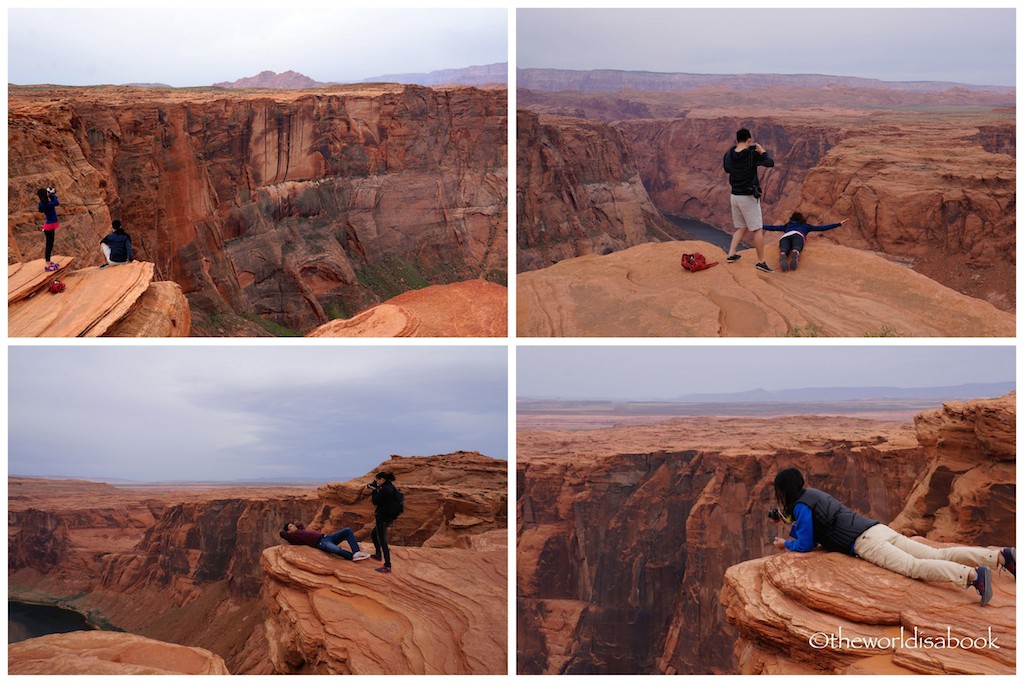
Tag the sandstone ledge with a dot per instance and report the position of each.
(778, 604)
(442, 611)
(107, 653)
(837, 291)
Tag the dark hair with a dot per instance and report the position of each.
(742, 135)
(116, 225)
(386, 476)
(43, 196)
(798, 217)
(788, 485)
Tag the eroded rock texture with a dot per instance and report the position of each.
(624, 534)
(293, 207)
(836, 291)
(101, 653)
(965, 495)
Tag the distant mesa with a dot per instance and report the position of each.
(288, 80)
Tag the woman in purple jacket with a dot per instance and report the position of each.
(794, 235)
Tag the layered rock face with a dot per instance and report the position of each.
(441, 611)
(579, 192)
(624, 534)
(786, 606)
(184, 565)
(935, 190)
(100, 653)
(836, 291)
(289, 207)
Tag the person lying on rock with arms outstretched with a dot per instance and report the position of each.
(296, 533)
(794, 236)
(820, 519)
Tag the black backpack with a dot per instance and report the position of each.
(397, 505)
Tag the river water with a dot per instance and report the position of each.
(26, 621)
(702, 231)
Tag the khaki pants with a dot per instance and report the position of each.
(882, 546)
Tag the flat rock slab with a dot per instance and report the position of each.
(474, 308)
(836, 292)
(94, 299)
(25, 279)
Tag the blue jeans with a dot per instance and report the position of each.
(329, 543)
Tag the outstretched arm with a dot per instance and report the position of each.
(774, 228)
(830, 226)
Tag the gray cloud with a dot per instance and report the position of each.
(961, 45)
(186, 413)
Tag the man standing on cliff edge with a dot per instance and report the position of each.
(741, 164)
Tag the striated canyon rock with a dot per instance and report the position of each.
(100, 653)
(624, 534)
(475, 308)
(292, 207)
(579, 192)
(121, 301)
(966, 495)
(442, 611)
(782, 604)
(837, 291)
(969, 489)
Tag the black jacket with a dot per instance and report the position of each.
(382, 497)
(742, 168)
(836, 526)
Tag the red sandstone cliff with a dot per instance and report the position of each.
(936, 190)
(183, 565)
(623, 535)
(287, 207)
(579, 192)
(966, 495)
(100, 653)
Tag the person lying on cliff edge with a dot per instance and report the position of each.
(794, 236)
(296, 533)
(820, 519)
(117, 246)
(384, 498)
(48, 204)
(741, 162)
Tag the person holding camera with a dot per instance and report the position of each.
(741, 162)
(820, 519)
(296, 533)
(48, 204)
(383, 497)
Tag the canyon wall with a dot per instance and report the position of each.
(184, 566)
(578, 192)
(624, 535)
(935, 190)
(288, 207)
(784, 606)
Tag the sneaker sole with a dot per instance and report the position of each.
(986, 593)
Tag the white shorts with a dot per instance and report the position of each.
(746, 211)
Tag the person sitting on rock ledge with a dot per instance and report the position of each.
(117, 246)
(296, 533)
(794, 234)
(820, 519)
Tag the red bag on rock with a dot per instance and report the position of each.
(56, 287)
(695, 262)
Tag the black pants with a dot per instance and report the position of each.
(379, 536)
(49, 243)
(791, 243)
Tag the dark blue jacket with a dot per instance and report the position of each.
(120, 247)
(742, 168)
(49, 209)
(382, 497)
(802, 228)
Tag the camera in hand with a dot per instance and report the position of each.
(775, 515)
(373, 484)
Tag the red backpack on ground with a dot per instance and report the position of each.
(695, 262)
(56, 287)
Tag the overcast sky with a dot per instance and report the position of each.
(191, 47)
(648, 372)
(974, 46)
(222, 413)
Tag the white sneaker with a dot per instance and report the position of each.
(361, 555)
